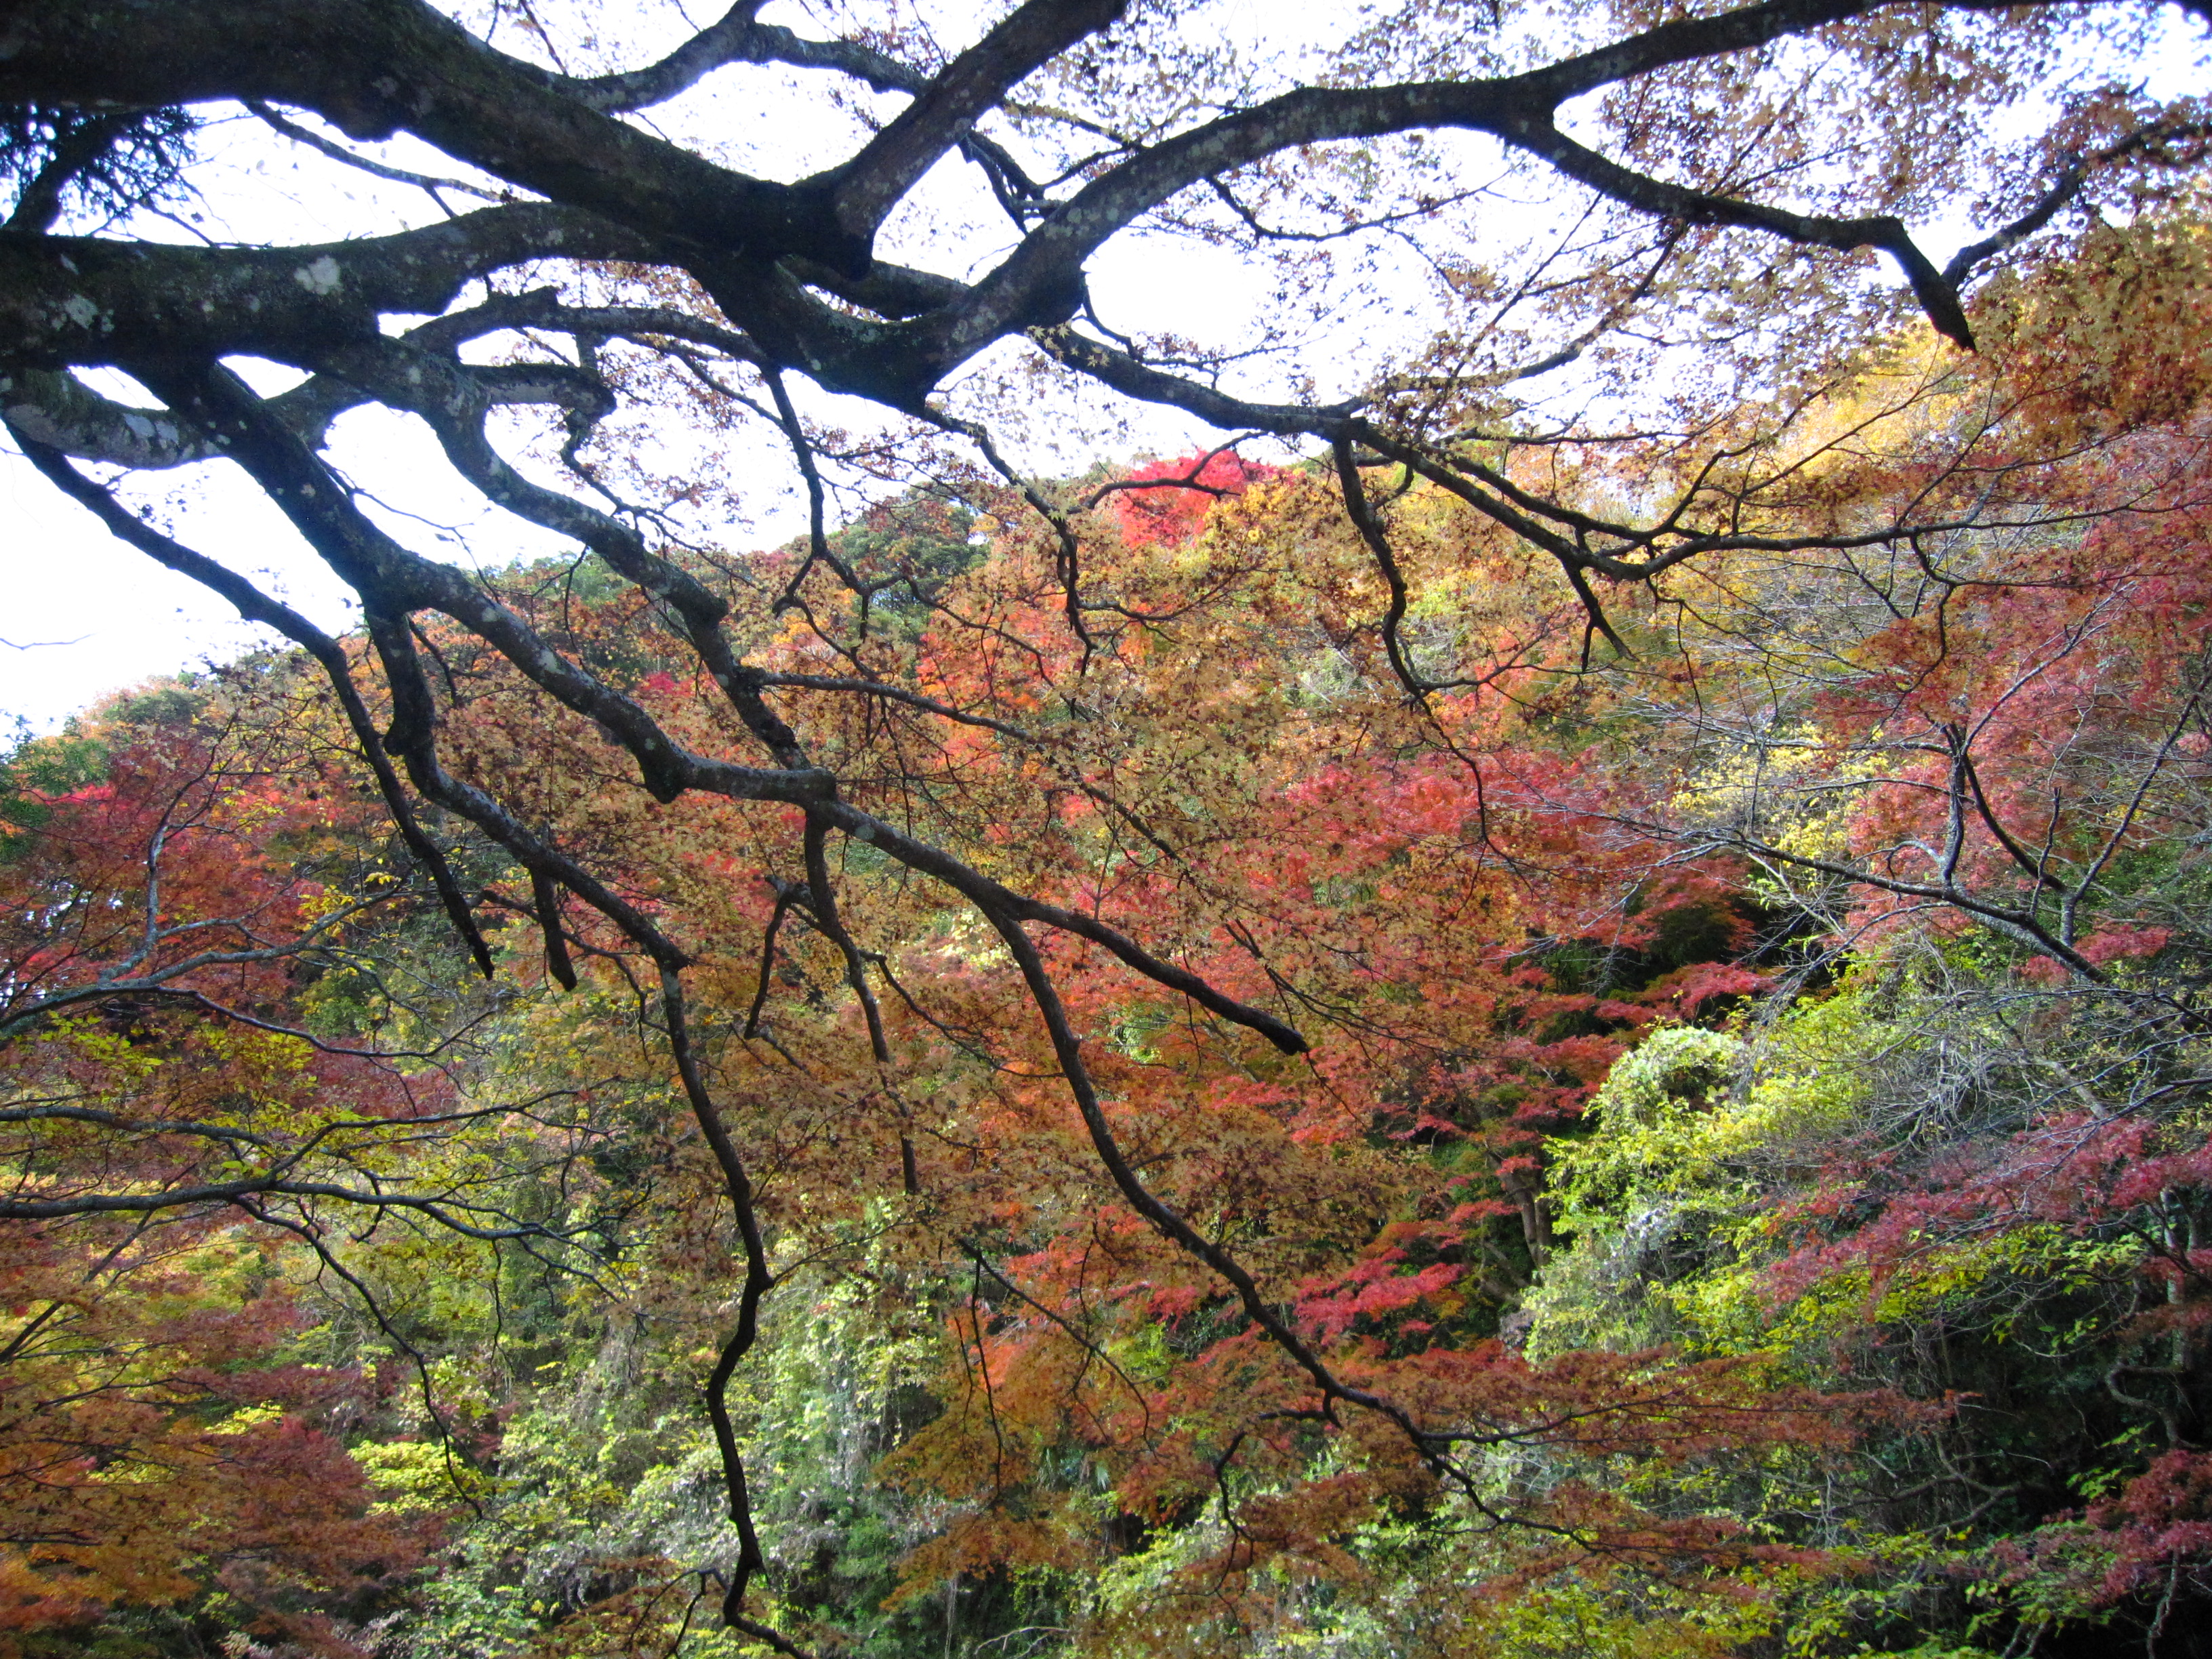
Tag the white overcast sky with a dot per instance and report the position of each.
(83, 616)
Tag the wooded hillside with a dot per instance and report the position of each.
(1553, 1006)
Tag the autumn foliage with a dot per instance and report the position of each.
(1665, 1118)
(160, 1437)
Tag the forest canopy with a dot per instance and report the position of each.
(1540, 991)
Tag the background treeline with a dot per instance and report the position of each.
(1755, 1130)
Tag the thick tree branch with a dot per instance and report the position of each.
(1937, 296)
(2064, 189)
(61, 411)
(373, 67)
(728, 41)
(1370, 526)
(392, 580)
(737, 39)
(257, 606)
(75, 300)
(867, 188)
(1518, 109)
